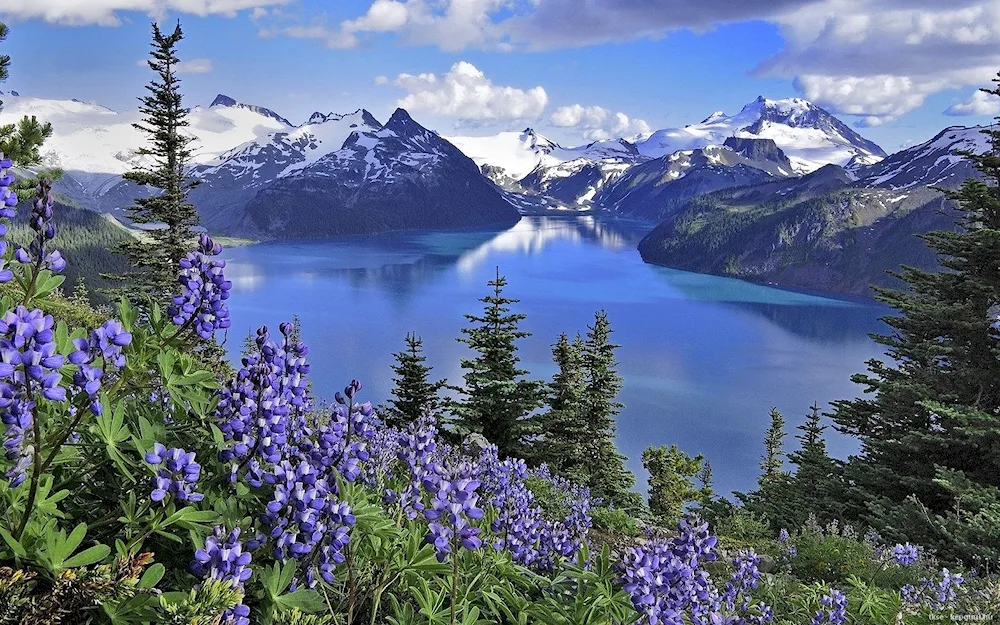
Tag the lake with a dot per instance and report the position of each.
(703, 357)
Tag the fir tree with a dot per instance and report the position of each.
(171, 217)
(563, 431)
(497, 402)
(414, 394)
(817, 482)
(929, 464)
(772, 461)
(671, 482)
(603, 466)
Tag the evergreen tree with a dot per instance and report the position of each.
(817, 482)
(603, 466)
(772, 461)
(497, 402)
(414, 394)
(171, 217)
(22, 142)
(671, 482)
(929, 464)
(563, 431)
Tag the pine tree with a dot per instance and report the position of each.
(22, 142)
(817, 482)
(497, 402)
(563, 432)
(671, 482)
(929, 464)
(171, 217)
(414, 394)
(603, 466)
(772, 461)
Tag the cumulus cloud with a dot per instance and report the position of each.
(467, 94)
(598, 123)
(876, 59)
(879, 59)
(981, 103)
(107, 12)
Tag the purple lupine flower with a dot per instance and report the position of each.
(29, 370)
(743, 581)
(223, 559)
(306, 521)
(834, 609)
(41, 222)
(905, 555)
(204, 290)
(8, 202)
(263, 404)
(179, 475)
(454, 503)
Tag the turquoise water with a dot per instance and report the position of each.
(703, 357)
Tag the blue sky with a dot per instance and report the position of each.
(574, 70)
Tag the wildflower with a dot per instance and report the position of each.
(179, 475)
(204, 290)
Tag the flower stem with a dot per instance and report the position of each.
(36, 453)
(454, 575)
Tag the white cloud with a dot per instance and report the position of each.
(597, 122)
(877, 59)
(107, 12)
(880, 59)
(981, 103)
(381, 80)
(467, 94)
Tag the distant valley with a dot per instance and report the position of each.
(781, 192)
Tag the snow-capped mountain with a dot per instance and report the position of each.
(809, 135)
(834, 229)
(528, 161)
(397, 176)
(934, 162)
(650, 190)
(95, 145)
(400, 175)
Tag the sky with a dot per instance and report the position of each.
(576, 70)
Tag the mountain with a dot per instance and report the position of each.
(830, 230)
(376, 178)
(646, 177)
(808, 134)
(528, 162)
(95, 145)
(651, 190)
(240, 149)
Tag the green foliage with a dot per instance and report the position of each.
(86, 239)
(603, 468)
(615, 521)
(672, 486)
(496, 402)
(927, 424)
(170, 217)
(414, 395)
(771, 462)
(564, 431)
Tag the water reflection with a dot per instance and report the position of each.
(703, 357)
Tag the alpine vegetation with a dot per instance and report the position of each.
(145, 481)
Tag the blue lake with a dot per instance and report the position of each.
(703, 357)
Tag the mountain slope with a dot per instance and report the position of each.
(651, 190)
(808, 134)
(826, 230)
(396, 176)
